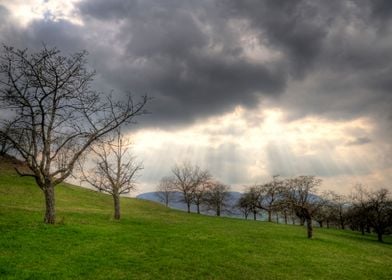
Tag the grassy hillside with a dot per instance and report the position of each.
(152, 242)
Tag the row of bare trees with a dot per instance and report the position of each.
(197, 187)
(298, 199)
(290, 197)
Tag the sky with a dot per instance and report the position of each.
(247, 89)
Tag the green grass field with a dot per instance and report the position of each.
(152, 242)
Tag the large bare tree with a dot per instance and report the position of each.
(54, 114)
(115, 169)
(187, 178)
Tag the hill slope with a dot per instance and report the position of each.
(152, 242)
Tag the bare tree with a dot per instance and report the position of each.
(251, 199)
(199, 195)
(380, 211)
(187, 179)
(165, 190)
(359, 211)
(217, 197)
(244, 206)
(54, 111)
(300, 193)
(336, 207)
(114, 170)
(269, 196)
(321, 215)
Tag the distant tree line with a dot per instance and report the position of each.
(197, 187)
(292, 200)
(297, 199)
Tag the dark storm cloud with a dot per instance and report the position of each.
(171, 54)
(381, 9)
(190, 56)
(339, 44)
(297, 28)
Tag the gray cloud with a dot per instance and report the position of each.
(334, 56)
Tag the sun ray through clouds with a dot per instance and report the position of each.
(244, 152)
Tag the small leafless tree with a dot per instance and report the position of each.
(270, 195)
(55, 112)
(114, 170)
(251, 200)
(199, 195)
(244, 206)
(380, 211)
(300, 193)
(217, 197)
(187, 179)
(165, 190)
(321, 215)
(336, 207)
(359, 211)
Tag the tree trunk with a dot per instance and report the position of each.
(198, 208)
(327, 223)
(218, 210)
(50, 213)
(285, 217)
(116, 199)
(189, 207)
(309, 227)
(254, 215)
(269, 216)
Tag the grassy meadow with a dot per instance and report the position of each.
(153, 242)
